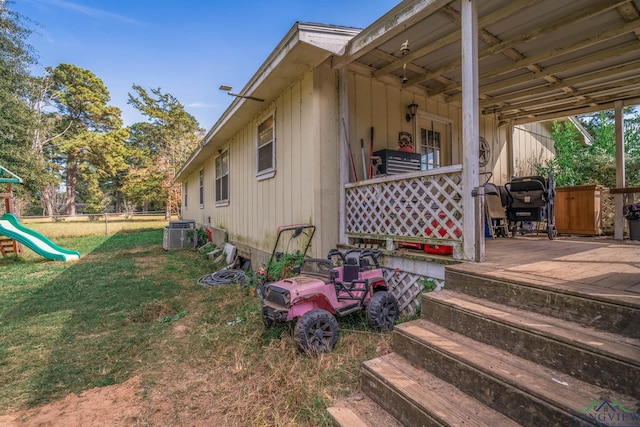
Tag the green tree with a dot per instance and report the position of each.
(142, 184)
(166, 141)
(16, 118)
(576, 164)
(92, 137)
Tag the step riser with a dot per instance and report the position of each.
(512, 402)
(562, 356)
(601, 315)
(408, 413)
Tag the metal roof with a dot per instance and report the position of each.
(538, 59)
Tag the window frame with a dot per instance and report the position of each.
(216, 178)
(270, 171)
(185, 194)
(445, 138)
(201, 187)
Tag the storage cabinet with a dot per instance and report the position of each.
(394, 161)
(578, 210)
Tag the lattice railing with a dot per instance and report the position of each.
(422, 207)
(607, 212)
(408, 287)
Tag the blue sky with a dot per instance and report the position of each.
(188, 47)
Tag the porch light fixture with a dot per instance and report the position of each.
(229, 90)
(413, 109)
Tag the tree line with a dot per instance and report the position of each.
(61, 136)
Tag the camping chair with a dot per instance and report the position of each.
(494, 211)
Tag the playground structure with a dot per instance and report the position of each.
(13, 234)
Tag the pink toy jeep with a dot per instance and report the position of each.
(339, 285)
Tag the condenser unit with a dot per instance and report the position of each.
(180, 234)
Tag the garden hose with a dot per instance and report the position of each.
(223, 277)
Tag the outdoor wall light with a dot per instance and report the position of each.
(229, 90)
(413, 109)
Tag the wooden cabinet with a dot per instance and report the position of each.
(578, 210)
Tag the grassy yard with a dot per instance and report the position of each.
(129, 308)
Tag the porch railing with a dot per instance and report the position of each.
(420, 207)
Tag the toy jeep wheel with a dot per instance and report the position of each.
(267, 320)
(316, 332)
(383, 311)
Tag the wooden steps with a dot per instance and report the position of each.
(496, 351)
(598, 307)
(585, 353)
(9, 246)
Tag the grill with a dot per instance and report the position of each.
(278, 296)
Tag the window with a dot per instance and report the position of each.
(222, 178)
(434, 139)
(266, 153)
(430, 148)
(201, 188)
(185, 191)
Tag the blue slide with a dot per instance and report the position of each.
(11, 227)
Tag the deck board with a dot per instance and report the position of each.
(593, 265)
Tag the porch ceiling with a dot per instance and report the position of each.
(538, 59)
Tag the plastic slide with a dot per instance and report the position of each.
(11, 227)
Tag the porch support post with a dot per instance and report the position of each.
(618, 230)
(343, 158)
(511, 159)
(470, 125)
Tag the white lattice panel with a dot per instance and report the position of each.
(407, 288)
(421, 207)
(607, 211)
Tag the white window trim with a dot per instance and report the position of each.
(185, 195)
(424, 115)
(215, 180)
(201, 188)
(271, 172)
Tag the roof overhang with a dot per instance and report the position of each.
(304, 47)
(538, 59)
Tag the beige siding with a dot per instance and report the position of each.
(304, 188)
(384, 106)
(532, 145)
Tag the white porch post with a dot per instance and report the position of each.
(511, 158)
(470, 132)
(618, 221)
(343, 158)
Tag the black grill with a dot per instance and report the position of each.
(278, 296)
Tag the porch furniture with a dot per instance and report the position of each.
(579, 210)
(531, 199)
(495, 212)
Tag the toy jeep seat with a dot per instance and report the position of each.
(351, 269)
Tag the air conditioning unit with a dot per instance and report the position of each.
(180, 234)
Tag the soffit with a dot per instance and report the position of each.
(538, 59)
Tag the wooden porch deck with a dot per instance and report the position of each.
(596, 266)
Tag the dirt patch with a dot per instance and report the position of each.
(115, 405)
